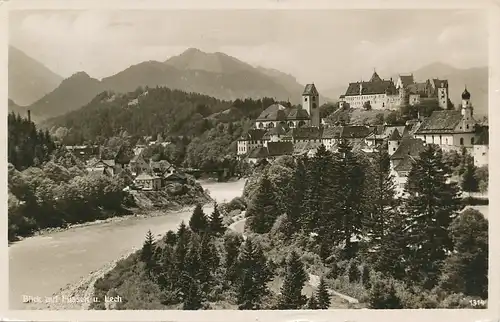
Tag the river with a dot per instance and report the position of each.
(42, 265)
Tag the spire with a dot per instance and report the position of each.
(466, 94)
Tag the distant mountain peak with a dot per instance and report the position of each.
(80, 74)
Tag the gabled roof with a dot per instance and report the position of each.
(305, 147)
(406, 80)
(408, 146)
(375, 77)
(440, 122)
(405, 164)
(146, 176)
(297, 114)
(176, 176)
(437, 83)
(417, 88)
(370, 88)
(279, 148)
(310, 89)
(254, 135)
(275, 112)
(332, 132)
(305, 133)
(355, 131)
(395, 135)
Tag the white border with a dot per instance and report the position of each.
(492, 313)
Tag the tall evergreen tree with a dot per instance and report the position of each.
(350, 178)
(466, 270)
(291, 297)
(232, 244)
(469, 181)
(193, 299)
(320, 196)
(262, 209)
(148, 251)
(216, 226)
(382, 202)
(198, 222)
(254, 275)
(295, 205)
(365, 277)
(322, 295)
(430, 207)
(181, 249)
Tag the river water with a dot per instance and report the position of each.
(42, 265)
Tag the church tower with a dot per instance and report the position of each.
(310, 102)
(393, 142)
(466, 106)
(442, 89)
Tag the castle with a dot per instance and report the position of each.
(385, 94)
(283, 130)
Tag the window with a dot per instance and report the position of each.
(314, 98)
(393, 149)
(471, 140)
(314, 105)
(461, 141)
(305, 99)
(467, 126)
(383, 104)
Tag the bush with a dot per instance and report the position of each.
(383, 296)
(353, 272)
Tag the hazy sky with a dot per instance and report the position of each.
(328, 47)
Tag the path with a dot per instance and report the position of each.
(239, 225)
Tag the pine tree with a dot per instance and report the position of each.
(198, 222)
(232, 244)
(291, 297)
(382, 202)
(193, 299)
(262, 209)
(383, 296)
(216, 226)
(181, 249)
(469, 181)
(254, 275)
(323, 295)
(430, 207)
(319, 201)
(312, 303)
(349, 178)
(294, 206)
(148, 251)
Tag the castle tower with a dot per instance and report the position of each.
(393, 142)
(442, 87)
(310, 102)
(466, 106)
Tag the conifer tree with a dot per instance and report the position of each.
(193, 299)
(349, 208)
(262, 209)
(254, 275)
(232, 244)
(198, 222)
(181, 248)
(469, 181)
(382, 202)
(322, 295)
(216, 226)
(193, 268)
(291, 297)
(312, 303)
(295, 205)
(320, 194)
(430, 207)
(148, 251)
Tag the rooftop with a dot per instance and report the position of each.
(440, 122)
(409, 146)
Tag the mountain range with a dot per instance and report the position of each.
(214, 74)
(476, 80)
(29, 80)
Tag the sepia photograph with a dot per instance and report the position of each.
(238, 159)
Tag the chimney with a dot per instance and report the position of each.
(29, 116)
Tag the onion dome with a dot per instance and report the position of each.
(466, 94)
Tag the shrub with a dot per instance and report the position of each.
(383, 296)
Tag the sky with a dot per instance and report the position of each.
(327, 47)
